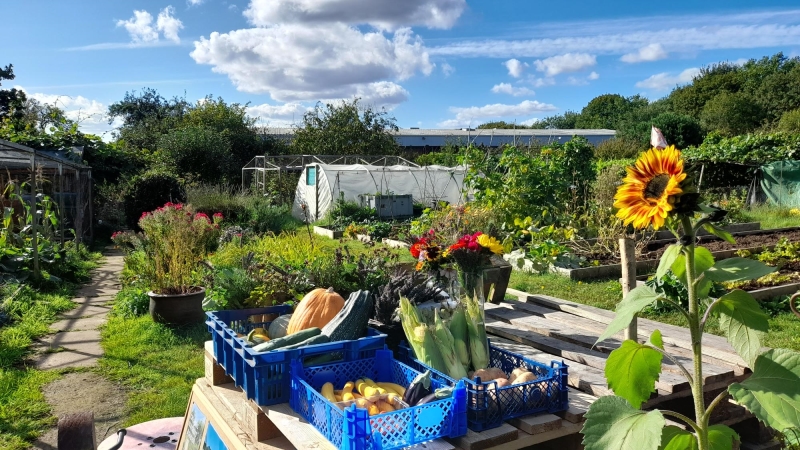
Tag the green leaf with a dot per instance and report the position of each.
(667, 259)
(719, 232)
(721, 437)
(632, 370)
(743, 323)
(636, 300)
(772, 393)
(703, 260)
(674, 438)
(612, 423)
(738, 269)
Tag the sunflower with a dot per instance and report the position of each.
(647, 194)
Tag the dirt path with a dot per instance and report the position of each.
(75, 349)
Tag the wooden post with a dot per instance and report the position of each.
(627, 248)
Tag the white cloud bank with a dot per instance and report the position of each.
(652, 52)
(471, 115)
(664, 81)
(91, 115)
(516, 91)
(569, 62)
(142, 32)
(515, 67)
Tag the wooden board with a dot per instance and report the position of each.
(713, 370)
(714, 346)
(525, 440)
(537, 423)
(486, 439)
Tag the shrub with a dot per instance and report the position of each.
(149, 191)
(132, 302)
(261, 216)
(346, 212)
(790, 121)
(618, 148)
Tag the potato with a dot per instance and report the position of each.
(517, 372)
(502, 382)
(483, 374)
(496, 373)
(524, 378)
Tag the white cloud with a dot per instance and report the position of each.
(652, 52)
(506, 88)
(568, 62)
(91, 115)
(295, 62)
(515, 67)
(593, 76)
(664, 81)
(541, 82)
(169, 25)
(278, 115)
(690, 33)
(468, 116)
(740, 61)
(447, 69)
(194, 2)
(140, 28)
(383, 14)
(529, 122)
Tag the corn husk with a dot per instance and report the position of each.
(476, 330)
(444, 340)
(458, 328)
(419, 336)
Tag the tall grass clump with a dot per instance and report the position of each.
(254, 211)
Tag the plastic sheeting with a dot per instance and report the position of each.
(780, 182)
(320, 185)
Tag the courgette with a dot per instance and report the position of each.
(291, 339)
(313, 340)
(351, 322)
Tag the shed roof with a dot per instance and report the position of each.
(17, 155)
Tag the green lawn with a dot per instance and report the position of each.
(24, 413)
(784, 327)
(771, 216)
(157, 365)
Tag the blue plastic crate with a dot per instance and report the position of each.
(353, 428)
(265, 377)
(489, 406)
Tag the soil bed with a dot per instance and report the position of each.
(713, 244)
(791, 269)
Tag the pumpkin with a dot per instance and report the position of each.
(277, 329)
(316, 309)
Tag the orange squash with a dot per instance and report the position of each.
(316, 309)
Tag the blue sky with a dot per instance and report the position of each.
(432, 63)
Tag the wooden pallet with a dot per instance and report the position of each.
(279, 427)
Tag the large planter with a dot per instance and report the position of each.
(180, 309)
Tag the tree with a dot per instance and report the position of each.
(790, 121)
(146, 116)
(731, 114)
(680, 130)
(500, 124)
(566, 121)
(345, 128)
(609, 111)
(12, 101)
(198, 150)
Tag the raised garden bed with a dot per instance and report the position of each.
(327, 232)
(609, 265)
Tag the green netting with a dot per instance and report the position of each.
(780, 181)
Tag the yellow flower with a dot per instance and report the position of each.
(491, 243)
(647, 194)
(794, 212)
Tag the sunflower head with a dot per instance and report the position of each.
(649, 191)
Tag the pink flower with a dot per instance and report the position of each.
(202, 216)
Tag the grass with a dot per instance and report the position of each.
(784, 327)
(24, 413)
(770, 216)
(157, 365)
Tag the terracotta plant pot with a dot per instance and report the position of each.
(180, 309)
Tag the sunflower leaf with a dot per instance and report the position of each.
(636, 300)
(738, 269)
(719, 232)
(703, 260)
(743, 323)
(612, 422)
(667, 259)
(772, 393)
(633, 369)
(674, 438)
(721, 437)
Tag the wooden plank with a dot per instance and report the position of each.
(228, 428)
(526, 440)
(252, 420)
(715, 346)
(299, 432)
(668, 382)
(215, 373)
(486, 439)
(536, 424)
(713, 370)
(579, 403)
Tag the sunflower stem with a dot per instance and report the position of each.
(696, 336)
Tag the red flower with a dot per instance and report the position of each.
(202, 216)
(418, 247)
(218, 215)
